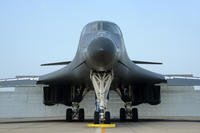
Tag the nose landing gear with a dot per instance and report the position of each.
(101, 82)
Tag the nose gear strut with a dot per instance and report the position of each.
(101, 82)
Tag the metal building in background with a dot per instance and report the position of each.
(27, 101)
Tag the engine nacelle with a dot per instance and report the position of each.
(138, 94)
(146, 94)
(61, 95)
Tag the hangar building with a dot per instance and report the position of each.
(26, 100)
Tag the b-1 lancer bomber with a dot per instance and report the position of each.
(101, 64)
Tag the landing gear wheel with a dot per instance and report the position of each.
(122, 114)
(81, 115)
(69, 114)
(96, 117)
(107, 117)
(134, 114)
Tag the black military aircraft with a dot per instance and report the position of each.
(101, 64)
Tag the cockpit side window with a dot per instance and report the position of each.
(96, 27)
(92, 28)
(111, 28)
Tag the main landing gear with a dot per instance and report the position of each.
(128, 112)
(75, 113)
(101, 82)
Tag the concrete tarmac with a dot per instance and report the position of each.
(60, 126)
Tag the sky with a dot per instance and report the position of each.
(33, 32)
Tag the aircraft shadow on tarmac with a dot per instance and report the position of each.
(90, 121)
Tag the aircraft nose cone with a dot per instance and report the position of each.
(101, 53)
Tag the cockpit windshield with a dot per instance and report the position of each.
(101, 26)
